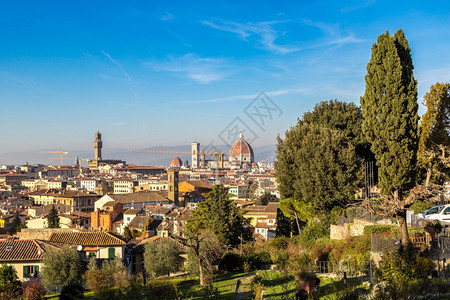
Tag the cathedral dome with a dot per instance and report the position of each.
(242, 151)
(176, 162)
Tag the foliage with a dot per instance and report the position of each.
(204, 248)
(53, 218)
(343, 116)
(266, 198)
(307, 276)
(379, 229)
(315, 230)
(256, 286)
(61, 267)
(400, 267)
(163, 289)
(389, 107)
(220, 214)
(127, 233)
(420, 206)
(285, 226)
(162, 257)
(317, 166)
(10, 285)
(231, 262)
(34, 290)
(435, 129)
(16, 225)
(101, 281)
(354, 250)
(72, 292)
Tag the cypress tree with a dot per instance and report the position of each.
(389, 107)
(53, 218)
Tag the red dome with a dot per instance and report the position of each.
(241, 147)
(176, 162)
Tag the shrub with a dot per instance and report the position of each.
(72, 292)
(162, 289)
(256, 286)
(231, 262)
(380, 229)
(34, 290)
(420, 206)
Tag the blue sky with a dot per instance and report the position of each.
(150, 73)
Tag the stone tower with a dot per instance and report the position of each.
(98, 146)
(172, 181)
(195, 155)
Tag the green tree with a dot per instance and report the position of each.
(342, 116)
(317, 165)
(53, 218)
(10, 285)
(162, 257)
(16, 225)
(127, 233)
(435, 131)
(220, 214)
(266, 198)
(61, 267)
(389, 108)
(204, 248)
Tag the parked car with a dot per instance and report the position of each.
(442, 215)
(432, 210)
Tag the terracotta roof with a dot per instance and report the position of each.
(138, 222)
(199, 183)
(241, 146)
(86, 238)
(132, 211)
(139, 197)
(13, 249)
(176, 162)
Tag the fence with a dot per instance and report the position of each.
(344, 268)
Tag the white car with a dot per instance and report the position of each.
(432, 210)
(442, 215)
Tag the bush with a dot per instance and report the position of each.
(420, 206)
(380, 229)
(72, 292)
(163, 289)
(34, 290)
(256, 286)
(231, 262)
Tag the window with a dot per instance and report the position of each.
(30, 271)
(111, 252)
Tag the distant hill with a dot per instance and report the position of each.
(262, 153)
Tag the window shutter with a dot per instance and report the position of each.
(111, 252)
(36, 271)
(25, 271)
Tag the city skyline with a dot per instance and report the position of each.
(152, 74)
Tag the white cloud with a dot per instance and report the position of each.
(125, 73)
(253, 96)
(264, 33)
(200, 69)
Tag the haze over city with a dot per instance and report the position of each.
(150, 74)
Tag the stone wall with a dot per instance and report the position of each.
(341, 232)
(41, 234)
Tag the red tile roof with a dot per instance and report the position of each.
(86, 238)
(13, 249)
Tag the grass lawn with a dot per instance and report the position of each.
(335, 288)
(226, 285)
(278, 286)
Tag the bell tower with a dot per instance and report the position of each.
(172, 181)
(195, 152)
(98, 146)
